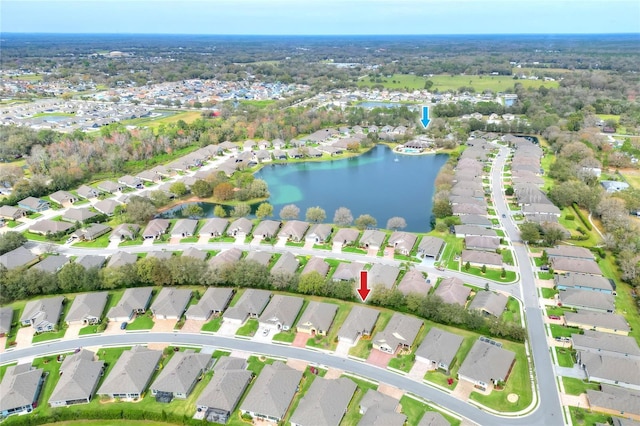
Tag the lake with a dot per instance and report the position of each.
(373, 183)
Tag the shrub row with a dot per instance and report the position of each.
(584, 220)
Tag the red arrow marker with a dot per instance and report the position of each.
(363, 291)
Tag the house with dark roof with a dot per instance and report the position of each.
(612, 370)
(317, 318)
(489, 303)
(584, 282)
(267, 229)
(131, 374)
(360, 322)
(286, 264)
(325, 403)
(616, 401)
(20, 389)
(586, 300)
(452, 290)
(133, 301)
(462, 231)
(184, 228)
(379, 409)
(261, 257)
(399, 334)
(63, 198)
(438, 349)
(195, 253)
(52, 264)
(316, 264)
(155, 229)
(319, 233)
(293, 230)
(468, 208)
(571, 252)
(42, 314)
(430, 247)
(223, 393)
(17, 258)
(90, 261)
(486, 365)
(171, 303)
(598, 321)
(79, 377)
(272, 392)
(347, 271)
(121, 258)
(178, 378)
(34, 204)
(384, 275)
(608, 344)
(6, 318)
(250, 305)
(475, 220)
(213, 302)
(281, 313)
(414, 282)
(87, 308)
(214, 227)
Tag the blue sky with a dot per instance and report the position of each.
(300, 17)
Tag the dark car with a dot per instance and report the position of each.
(123, 325)
(504, 215)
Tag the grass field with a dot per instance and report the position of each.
(445, 83)
(576, 386)
(169, 117)
(632, 177)
(142, 322)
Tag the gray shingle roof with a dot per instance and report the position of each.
(52, 263)
(184, 227)
(125, 230)
(272, 391)
(380, 410)
(439, 346)
(261, 257)
(181, 372)
(486, 362)
(121, 258)
(587, 299)
(607, 343)
(215, 299)
(570, 251)
(383, 274)
(241, 225)
(90, 261)
(214, 226)
(360, 319)
(252, 302)
(318, 265)
(50, 226)
(282, 310)
(78, 215)
(43, 310)
(195, 253)
(132, 299)
(452, 290)
(287, 263)
(430, 246)
(597, 319)
(319, 232)
(132, 372)
(79, 376)
(17, 257)
(346, 235)
(225, 389)
(348, 271)
(87, 305)
(481, 257)
(414, 282)
(294, 230)
(595, 282)
(372, 238)
(489, 302)
(171, 302)
(6, 317)
(267, 228)
(226, 257)
(19, 386)
(623, 371)
(325, 402)
(615, 398)
(400, 330)
(318, 315)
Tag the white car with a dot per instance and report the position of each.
(265, 332)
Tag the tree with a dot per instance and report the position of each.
(178, 188)
(139, 210)
(11, 240)
(312, 283)
(483, 269)
(315, 214)
(241, 210)
(530, 232)
(264, 210)
(343, 217)
(259, 189)
(509, 191)
(159, 198)
(442, 208)
(223, 191)
(365, 221)
(193, 210)
(428, 84)
(201, 189)
(551, 234)
(289, 212)
(396, 223)
(467, 266)
(219, 211)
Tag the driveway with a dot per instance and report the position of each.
(24, 337)
(260, 335)
(379, 358)
(342, 350)
(73, 331)
(163, 325)
(418, 371)
(228, 328)
(192, 326)
(391, 391)
(301, 340)
(463, 390)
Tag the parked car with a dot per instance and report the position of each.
(504, 215)
(554, 317)
(123, 325)
(265, 332)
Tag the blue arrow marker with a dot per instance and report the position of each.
(425, 117)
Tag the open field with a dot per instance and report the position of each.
(168, 117)
(632, 176)
(445, 83)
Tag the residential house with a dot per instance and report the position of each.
(133, 301)
(480, 258)
(184, 228)
(240, 228)
(379, 409)
(109, 187)
(227, 257)
(131, 374)
(63, 198)
(6, 318)
(12, 213)
(348, 271)
(294, 230)
(430, 247)
(267, 229)
(612, 370)
(475, 220)
(325, 403)
(131, 182)
(223, 393)
(87, 308)
(612, 186)
(195, 253)
(598, 321)
(171, 303)
(319, 233)
(213, 302)
(533, 209)
(286, 264)
(571, 252)
(155, 229)
(384, 275)
(584, 282)
(402, 242)
(33, 204)
(17, 258)
(90, 261)
(433, 418)
(616, 401)
(42, 314)
(272, 392)
(606, 343)
(124, 231)
(317, 318)
(316, 264)
(250, 305)
(463, 231)
(452, 290)
(149, 176)
(372, 239)
(20, 389)
(91, 232)
(214, 227)
(467, 208)
(345, 236)
(398, 335)
(261, 257)
(178, 378)
(438, 349)
(360, 322)
(78, 215)
(486, 364)
(490, 244)
(489, 303)
(586, 300)
(121, 258)
(414, 282)
(79, 377)
(52, 264)
(562, 265)
(281, 313)
(48, 226)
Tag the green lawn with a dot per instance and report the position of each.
(565, 357)
(305, 384)
(142, 322)
(491, 274)
(548, 293)
(580, 417)
(285, 336)
(512, 311)
(100, 242)
(415, 410)
(439, 377)
(363, 348)
(330, 341)
(353, 416)
(562, 331)
(213, 325)
(89, 329)
(576, 386)
(189, 240)
(249, 328)
(353, 250)
(545, 275)
(136, 242)
(256, 364)
(507, 256)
